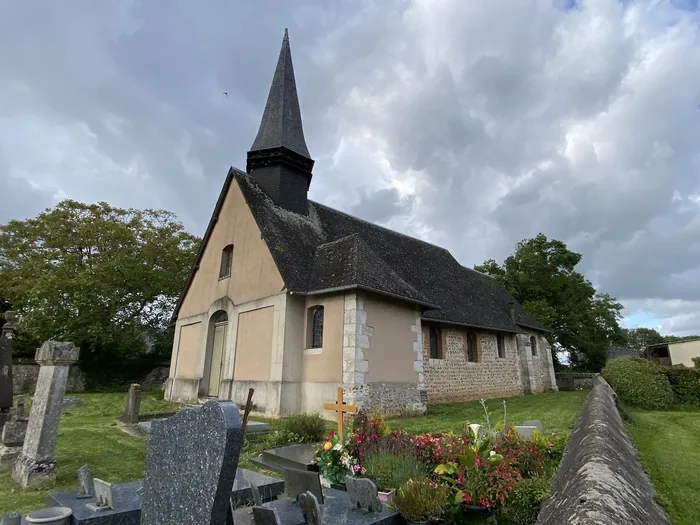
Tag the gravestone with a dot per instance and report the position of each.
(534, 423)
(525, 432)
(133, 405)
(104, 500)
(87, 486)
(300, 456)
(6, 337)
(298, 482)
(11, 440)
(266, 516)
(11, 519)
(19, 411)
(72, 402)
(309, 508)
(363, 494)
(191, 465)
(36, 462)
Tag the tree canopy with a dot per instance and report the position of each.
(104, 277)
(542, 276)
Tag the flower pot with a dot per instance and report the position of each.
(386, 497)
(50, 516)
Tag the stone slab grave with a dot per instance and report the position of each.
(527, 429)
(254, 427)
(338, 508)
(300, 456)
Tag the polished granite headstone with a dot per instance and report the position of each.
(301, 456)
(127, 502)
(191, 466)
(336, 510)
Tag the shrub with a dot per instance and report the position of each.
(392, 469)
(696, 360)
(638, 382)
(421, 500)
(685, 383)
(309, 427)
(523, 504)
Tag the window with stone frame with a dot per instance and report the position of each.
(472, 351)
(501, 342)
(314, 332)
(533, 345)
(226, 262)
(435, 338)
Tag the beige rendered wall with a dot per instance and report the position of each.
(325, 364)
(188, 350)
(254, 345)
(682, 353)
(390, 354)
(254, 274)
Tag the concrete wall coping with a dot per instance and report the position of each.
(600, 479)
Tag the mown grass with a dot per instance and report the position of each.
(557, 410)
(667, 443)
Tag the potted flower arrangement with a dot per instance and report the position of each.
(421, 501)
(334, 460)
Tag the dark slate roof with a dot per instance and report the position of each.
(281, 121)
(330, 250)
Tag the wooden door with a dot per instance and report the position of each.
(217, 358)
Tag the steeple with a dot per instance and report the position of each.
(279, 160)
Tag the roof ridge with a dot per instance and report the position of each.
(380, 226)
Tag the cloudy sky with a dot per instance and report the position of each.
(471, 124)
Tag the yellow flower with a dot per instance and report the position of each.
(327, 446)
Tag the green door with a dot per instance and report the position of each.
(217, 357)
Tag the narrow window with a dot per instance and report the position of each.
(500, 339)
(471, 347)
(435, 343)
(226, 262)
(533, 345)
(315, 337)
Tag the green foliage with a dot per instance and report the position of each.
(696, 360)
(685, 383)
(523, 504)
(104, 277)
(421, 500)
(334, 460)
(639, 338)
(542, 276)
(639, 382)
(392, 469)
(309, 427)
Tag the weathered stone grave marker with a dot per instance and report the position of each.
(341, 408)
(191, 466)
(103, 496)
(36, 462)
(363, 494)
(297, 482)
(133, 405)
(6, 337)
(87, 486)
(309, 508)
(266, 516)
(534, 423)
(19, 411)
(11, 440)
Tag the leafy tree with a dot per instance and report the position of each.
(678, 338)
(639, 338)
(542, 276)
(104, 277)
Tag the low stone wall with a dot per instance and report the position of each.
(25, 373)
(567, 381)
(394, 399)
(600, 480)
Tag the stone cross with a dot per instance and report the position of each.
(191, 465)
(341, 408)
(133, 405)
(363, 494)
(36, 462)
(6, 337)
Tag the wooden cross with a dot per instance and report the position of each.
(341, 408)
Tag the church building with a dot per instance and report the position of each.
(296, 299)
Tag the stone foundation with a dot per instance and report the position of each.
(395, 399)
(30, 472)
(182, 390)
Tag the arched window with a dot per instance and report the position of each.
(315, 330)
(435, 352)
(533, 345)
(226, 262)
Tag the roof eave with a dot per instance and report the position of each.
(347, 287)
(465, 325)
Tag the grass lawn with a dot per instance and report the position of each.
(667, 443)
(89, 435)
(558, 411)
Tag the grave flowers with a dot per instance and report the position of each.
(422, 501)
(334, 460)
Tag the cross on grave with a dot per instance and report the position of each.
(341, 408)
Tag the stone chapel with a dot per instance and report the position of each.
(296, 299)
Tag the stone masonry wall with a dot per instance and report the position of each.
(25, 376)
(454, 378)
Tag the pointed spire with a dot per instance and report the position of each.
(281, 121)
